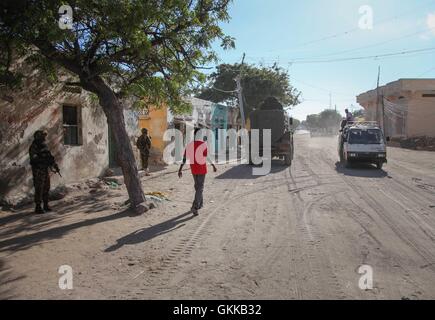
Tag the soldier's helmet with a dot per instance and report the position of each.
(39, 134)
(144, 130)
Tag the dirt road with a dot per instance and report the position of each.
(301, 233)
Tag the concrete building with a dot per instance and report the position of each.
(156, 121)
(78, 134)
(204, 114)
(405, 108)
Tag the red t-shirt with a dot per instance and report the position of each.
(196, 154)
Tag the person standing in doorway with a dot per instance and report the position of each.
(144, 145)
(196, 152)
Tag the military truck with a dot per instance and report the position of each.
(271, 115)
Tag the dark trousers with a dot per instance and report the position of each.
(144, 160)
(199, 188)
(41, 182)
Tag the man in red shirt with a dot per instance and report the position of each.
(196, 152)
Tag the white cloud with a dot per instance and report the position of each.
(430, 22)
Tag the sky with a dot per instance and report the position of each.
(299, 34)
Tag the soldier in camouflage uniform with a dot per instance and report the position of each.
(41, 161)
(144, 145)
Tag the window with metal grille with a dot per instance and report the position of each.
(71, 125)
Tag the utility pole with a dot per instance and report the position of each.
(240, 93)
(330, 100)
(384, 122)
(377, 97)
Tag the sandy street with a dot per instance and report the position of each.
(299, 233)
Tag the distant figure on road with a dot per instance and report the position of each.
(349, 116)
(196, 152)
(41, 160)
(144, 145)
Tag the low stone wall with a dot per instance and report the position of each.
(414, 143)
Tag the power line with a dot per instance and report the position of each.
(366, 57)
(224, 91)
(319, 88)
(367, 46)
(409, 53)
(327, 100)
(426, 72)
(352, 30)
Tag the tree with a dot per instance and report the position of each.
(296, 123)
(313, 121)
(359, 113)
(117, 49)
(327, 119)
(258, 83)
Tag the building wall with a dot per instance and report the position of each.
(156, 122)
(38, 105)
(419, 119)
(219, 120)
(421, 116)
(370, 111)
(204, 114)
(131, 118)
(396, 123)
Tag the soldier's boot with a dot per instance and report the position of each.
(38, 209)
(46, 207)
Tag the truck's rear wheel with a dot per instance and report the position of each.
(287, 160)
(342, 158)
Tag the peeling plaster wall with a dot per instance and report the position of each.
(156, 122)
(38, 105)
(91, 158)
(131, 119)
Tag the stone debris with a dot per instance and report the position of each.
(95, 183)
(415, 143)
(156, 195)
(59, 192)
(119, 180)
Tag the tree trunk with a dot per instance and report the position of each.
(113, 110)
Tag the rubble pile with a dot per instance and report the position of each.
(415, 143)
(25, 198)
(157, 195)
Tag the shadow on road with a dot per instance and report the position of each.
(28, 240)
(244, 171)
(146, 234)
(7, 277)
(26, 221)
(362, 170)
